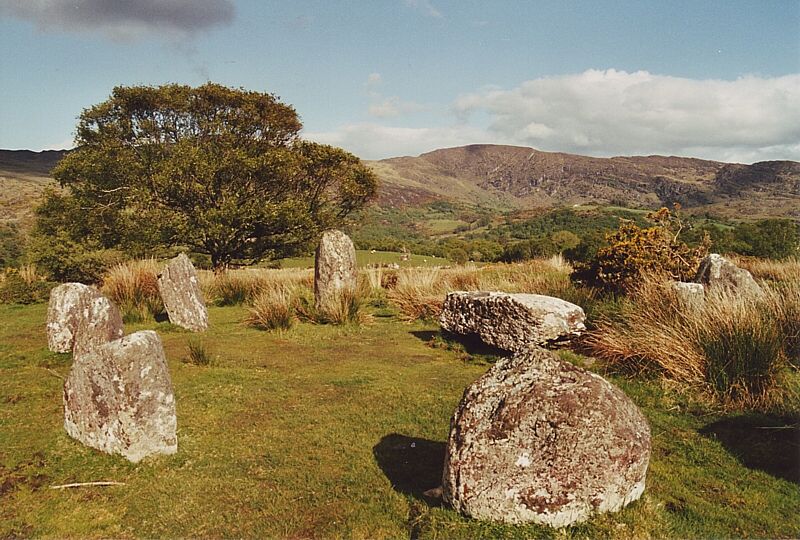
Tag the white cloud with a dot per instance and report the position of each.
(374, 79)
(425, 7)
(373, 141)
(614, 112)
(394, 106)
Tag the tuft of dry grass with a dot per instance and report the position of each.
(133, 286)
(242, 286)
(787, 270)
(273, 309)
(735, 348)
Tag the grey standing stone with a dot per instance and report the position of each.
(183, 299)
(513, 322)
(64, 312)
(334, 267)
(99, 323)
(718, 272)
(118, 398)
(536, 439)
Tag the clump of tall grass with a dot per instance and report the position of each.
(197, 353)
(133, 287)
(345, 306)
(787, 270)
(236, 287)
(735, 348)
(272, 309)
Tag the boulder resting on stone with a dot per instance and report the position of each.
(182, 296)
(513, 322)
(118, 398)
(536, 439)
(690, 294)
(716, 271)
(335, 267)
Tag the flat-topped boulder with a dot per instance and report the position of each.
(717, 272)
(118, 398)
(334, 267)
(79, 319)
(513, 322)
(182, 296)
(537, 439)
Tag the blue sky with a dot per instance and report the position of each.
(718, 80)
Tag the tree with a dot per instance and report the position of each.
(217, 170)
(769, 238)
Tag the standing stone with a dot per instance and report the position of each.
(536, 439)
(334, 267)
(99, 323)
(183, 299)
(118, 398)
(64, 312)
(513, 322)
(718, 272)
(689, 294)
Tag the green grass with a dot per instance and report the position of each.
(366, 257)
(288, 435)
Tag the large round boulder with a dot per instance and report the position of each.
(536, 439)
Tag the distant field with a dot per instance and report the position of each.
(365, 257)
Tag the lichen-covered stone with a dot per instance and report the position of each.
(690, 294)
(536, 439)
(64, 312)
(182, 296)
(718, 272)
(334, 267)
(513, 322)
(100, 321)
(118, 398)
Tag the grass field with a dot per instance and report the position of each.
(303, 434)
(367, 257)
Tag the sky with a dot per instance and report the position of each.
(381, 78)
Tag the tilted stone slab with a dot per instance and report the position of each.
(118, 398)
(718, 272)
(79, 318)
(182, 296)
(536, 439)
(64, 312)
(334, 267)
(513, 322)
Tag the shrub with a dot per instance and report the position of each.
(273, 309)
(632, 251)
(64, 260)
(133, 286)
(734, 348)
(23, 286)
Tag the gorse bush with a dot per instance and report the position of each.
(632, 251)
(133, 287)
(735, 348)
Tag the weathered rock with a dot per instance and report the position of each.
(118, 398)
(513, 322)
(100, 322)
(180, 291)
(536, 439)
(718, 272)
(334, 267)
(64, 312)
(690, 294)
(79, 318)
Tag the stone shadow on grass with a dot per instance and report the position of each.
(766, 443)
(413, 465)
(471, 344)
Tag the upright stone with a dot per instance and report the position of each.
(513, 322)
(536, 439)
(118, 398)
(64, 312)
(718, 272)
(334, 267)
(100, 322)
(183, 299)
(689, 294)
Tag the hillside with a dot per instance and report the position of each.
(520, 177)
(23, 177)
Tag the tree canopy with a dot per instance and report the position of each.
(217, 170)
